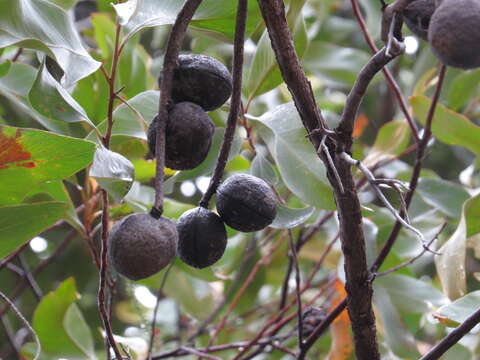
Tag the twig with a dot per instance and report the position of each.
(154, 320)
(10, 257)
(249, 255)
(235, 104)
(30, 279)
(10, 335)
(394, 87)
(17, 54)
(297, 288)
(415, 258)
(103, 278)
(264, 260)
(453, 338)
(373, 182)
(26, 323)
(169, 64)
(199, 353)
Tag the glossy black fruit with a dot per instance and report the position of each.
(202, 80)
(454, 33)
(140, 245)
(202, 237)
(246, 203)
(417, 16)
(189, 136)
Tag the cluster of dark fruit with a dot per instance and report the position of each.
(140, 245)
(451, 27)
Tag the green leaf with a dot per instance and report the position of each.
(288, 218)
(448, 126)
(15, 87)
(462, 89)
(41, 25)
(131, 120)
(65, 4)
(30, 157)
(51, 100)
(55, 191)
(443, 195)
(334, 64)
(264, 74)
(4, 68)
(301, 169)
(137, 15)
(399, 339)
(113, 172)
(457, 312)
(52, 316)
(410, 295)
(262, 169)
(472, 215)
(391, 140)
(20, 223)
(78, 331)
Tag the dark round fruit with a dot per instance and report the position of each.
(246, 203)
(140, 245)
(454, 33)
(417, 17)
(202, 80)
(202, 237)
(189, 136)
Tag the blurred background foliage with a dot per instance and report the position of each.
(50, 79)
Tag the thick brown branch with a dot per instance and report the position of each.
(358, 284)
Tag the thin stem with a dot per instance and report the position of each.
(236, 102)
(25, 322)
(297, 288)
(175, 39)
(103, 278)
(394, 87)
(453, 338)
(154, 320)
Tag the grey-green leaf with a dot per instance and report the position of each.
(288, 218)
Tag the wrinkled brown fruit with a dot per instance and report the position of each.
(140, 245)
(202, 237)
(202, 80)
(189, 136)
(246, 203)
(417, 16)
(454, 33)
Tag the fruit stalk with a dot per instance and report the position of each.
(171, 54)
(235, 103)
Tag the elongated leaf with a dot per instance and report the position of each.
(41, 25)
(136, 15)
(300, 168)
(50, 318)
(400, 340)
(463, 88)
(30, 157)
(288, 218)
(262, 169)
(15, 87)
(51, 100)
(78, 331)
(264, 74)
(451, 263)
(472, 216)
(391, 140)
(410, 295)
(113, 172)
(21, 223)
(443, 195)
(448, 126)
(455, 313)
